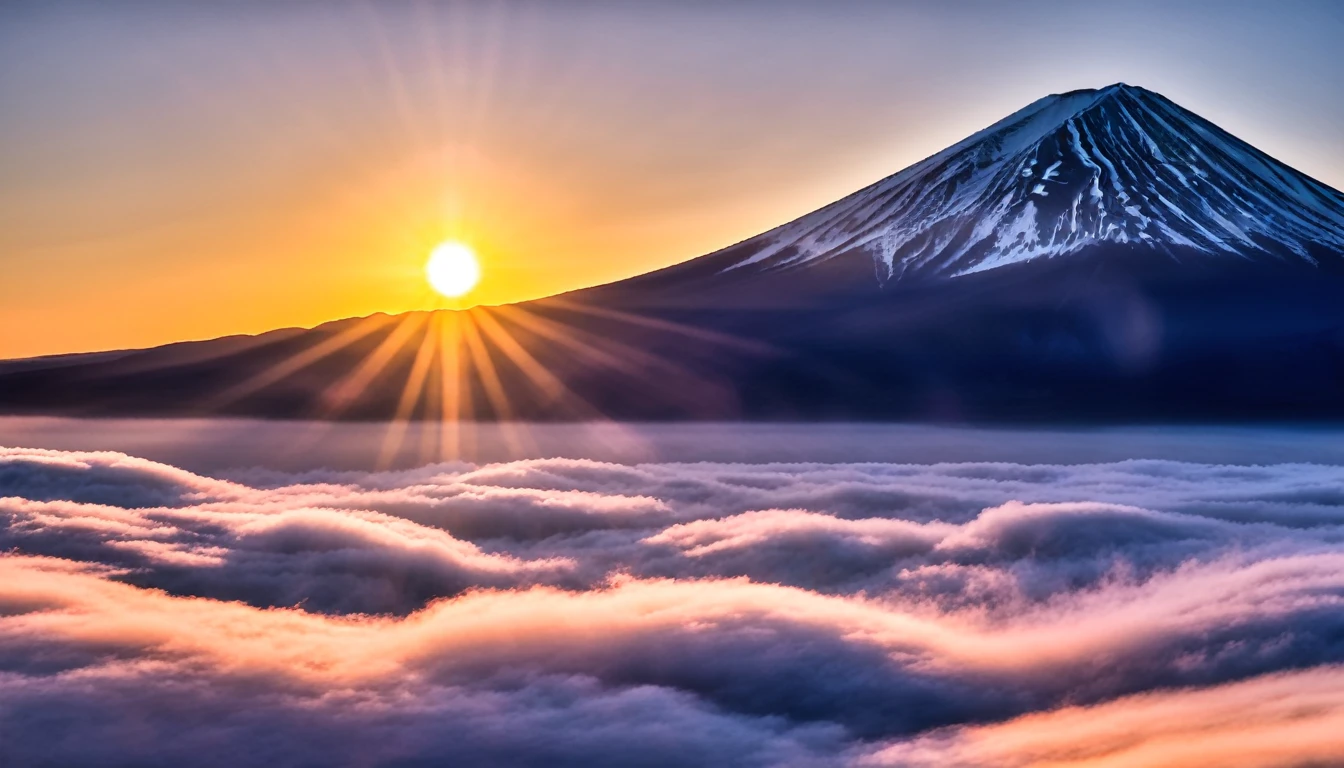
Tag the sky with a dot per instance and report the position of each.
(173, 171)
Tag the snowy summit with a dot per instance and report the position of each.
(1118, 165)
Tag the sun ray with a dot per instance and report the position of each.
(452, 393)
(335, 399)
(551, 387)
(660, 324)
(411, 392)
(484, 366)
(340, 395)
(358, 330)
(565, 336)
(402, 99)
(648, 369)
(585, 343)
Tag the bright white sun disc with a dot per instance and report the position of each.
(452, 269)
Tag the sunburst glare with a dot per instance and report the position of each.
(452, 269)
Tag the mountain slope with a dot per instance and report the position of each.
(1097, 256)
(1070, 172)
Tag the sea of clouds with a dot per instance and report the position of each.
(565, 612)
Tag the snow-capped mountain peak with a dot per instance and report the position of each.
(1116, 165)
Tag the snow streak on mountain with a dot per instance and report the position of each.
(1119, 165)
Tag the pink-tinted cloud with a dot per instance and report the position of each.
(561, 612)
(1290, 719)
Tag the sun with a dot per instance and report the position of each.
(452, 269)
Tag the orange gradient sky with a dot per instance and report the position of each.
(171, 172)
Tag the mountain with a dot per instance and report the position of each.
(1098, 255)
(1119, 165)
(1065, 175)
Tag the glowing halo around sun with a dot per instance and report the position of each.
(452, 269)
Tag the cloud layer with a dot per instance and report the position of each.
(571, 612)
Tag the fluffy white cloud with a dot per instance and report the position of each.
(557, 612)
